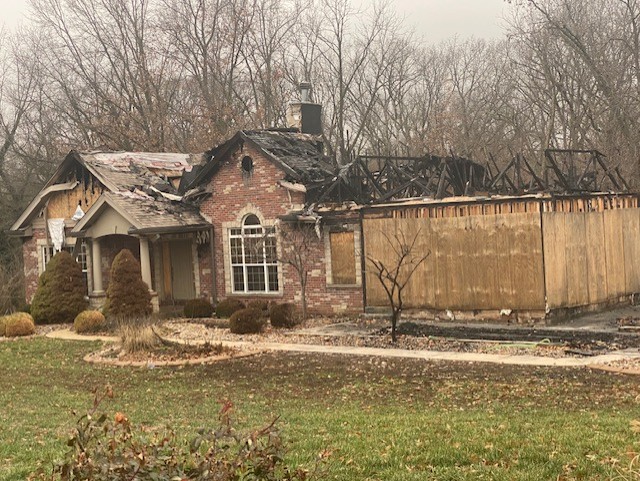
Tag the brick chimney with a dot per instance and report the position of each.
(305, 115)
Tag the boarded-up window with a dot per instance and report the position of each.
(343, 258)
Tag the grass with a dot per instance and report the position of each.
(392, 420)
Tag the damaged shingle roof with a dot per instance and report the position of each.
(145, 186)
(300, 155)
(154, 215)
(125, 171)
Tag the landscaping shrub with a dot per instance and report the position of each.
(260, 305)
(246, 321)
(60, 295)
(198, 308)
(18, 324)
(227, 307)
(108, 448)
(89, 321)
(283, 315)
(137, 337)
(128, 295)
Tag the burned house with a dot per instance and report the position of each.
(528, 240)
(206, 226)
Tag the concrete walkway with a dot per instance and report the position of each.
(524, 360)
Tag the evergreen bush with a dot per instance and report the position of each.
(260, 305)
(246, 321)
(128, 296)
(227, 307)
(89, 321)
(196, 308)
(60, 295)
(283, 315)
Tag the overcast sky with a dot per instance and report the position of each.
(434, 19)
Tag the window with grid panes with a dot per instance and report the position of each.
(254, 265)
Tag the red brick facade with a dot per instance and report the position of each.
(236, 194)
(31, 253)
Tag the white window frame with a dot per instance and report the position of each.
(48, 251)
(264, 234)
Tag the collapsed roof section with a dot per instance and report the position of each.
(148, 183)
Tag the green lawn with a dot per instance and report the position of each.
(399, 420)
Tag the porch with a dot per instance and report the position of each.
(168, 254)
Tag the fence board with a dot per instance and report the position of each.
(614, 253)
(578, 292)
(555, 263)
(596, 258)
(631, 239)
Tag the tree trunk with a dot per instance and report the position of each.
(394, 322)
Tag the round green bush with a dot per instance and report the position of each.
(283, 315)
(246, 321)
(227, 307)
(128, 296)
(60, 295)
(18, 324)
(260, 305)
(196, 308)
(89, 321)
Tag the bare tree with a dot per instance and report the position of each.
(299, 249)
(394, 271)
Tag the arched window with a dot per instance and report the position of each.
(254, 264)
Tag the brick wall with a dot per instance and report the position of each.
(31, 253)
(236, 194)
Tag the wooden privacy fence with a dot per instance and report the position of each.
(591, 257)
(527, 261)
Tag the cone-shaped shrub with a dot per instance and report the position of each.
(60, 294)
(127, 295)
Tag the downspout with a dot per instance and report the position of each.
(214, 289)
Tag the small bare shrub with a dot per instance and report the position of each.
(18, 324)
(110, 447)
(247, 321)
(89, 321)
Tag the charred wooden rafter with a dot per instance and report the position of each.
(371, 179)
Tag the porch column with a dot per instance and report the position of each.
(96, 264)
(145, 261)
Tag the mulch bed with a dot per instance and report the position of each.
(381, 338)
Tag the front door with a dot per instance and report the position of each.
(178, 270)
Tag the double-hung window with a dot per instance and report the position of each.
(254, 264)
